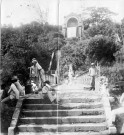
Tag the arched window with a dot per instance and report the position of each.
(72, 22)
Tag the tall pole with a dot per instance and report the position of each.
(0, 57)
(58, 57)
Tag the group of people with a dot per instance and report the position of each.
(38, 84)
(43, 87)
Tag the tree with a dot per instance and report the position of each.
(100, 23)
(105, 28)
(20, 45)
(97, 15)
(102, 49)
(73, 52)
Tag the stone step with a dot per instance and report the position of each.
(79, 100)
(71, 112)
(63, 128)
(67, 99)
(62, 106)
(36, 101)
(63, 120)
(80, 94)
(78, 91)
(106, 132)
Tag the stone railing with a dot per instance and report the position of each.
(103, 87)
(101, 84)
(51, 77)
(15, 118)
(84, 78)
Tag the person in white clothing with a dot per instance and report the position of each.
(19, 87)
(14, 92)
(92, 73)
(48, 92)
(37, 73)
(117, 111)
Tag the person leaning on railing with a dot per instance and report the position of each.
(92, 73)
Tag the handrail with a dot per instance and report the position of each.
(83, 73)
(84, 78)
(50, 77)
(106, 103)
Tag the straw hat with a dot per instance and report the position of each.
(34, 60)
(92, 64)
(14, 78)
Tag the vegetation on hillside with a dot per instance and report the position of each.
(99, 43)
(20, 45)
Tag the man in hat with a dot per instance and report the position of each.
(37, 73)
(92, 73)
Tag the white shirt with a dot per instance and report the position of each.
(15, 90)
(92, 71)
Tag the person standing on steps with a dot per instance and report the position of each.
(37, 73)
(92, 73)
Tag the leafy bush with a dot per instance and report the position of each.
(73, 52)
(20, 45)
(102, 49)
(114, 73)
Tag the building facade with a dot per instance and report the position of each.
(73, 26)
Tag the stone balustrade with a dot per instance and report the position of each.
(103, 83)
(51, 78)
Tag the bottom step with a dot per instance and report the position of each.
(63, 128)
(65, 133)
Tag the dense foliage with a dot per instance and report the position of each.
(73, 52)
(20, 45)
(99, 43)
(102, 49)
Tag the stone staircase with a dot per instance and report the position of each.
(79, 112)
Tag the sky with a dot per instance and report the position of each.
(17, 12)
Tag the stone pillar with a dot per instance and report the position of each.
(64, 30)
(80, 29)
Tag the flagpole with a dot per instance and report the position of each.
(58, 74)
